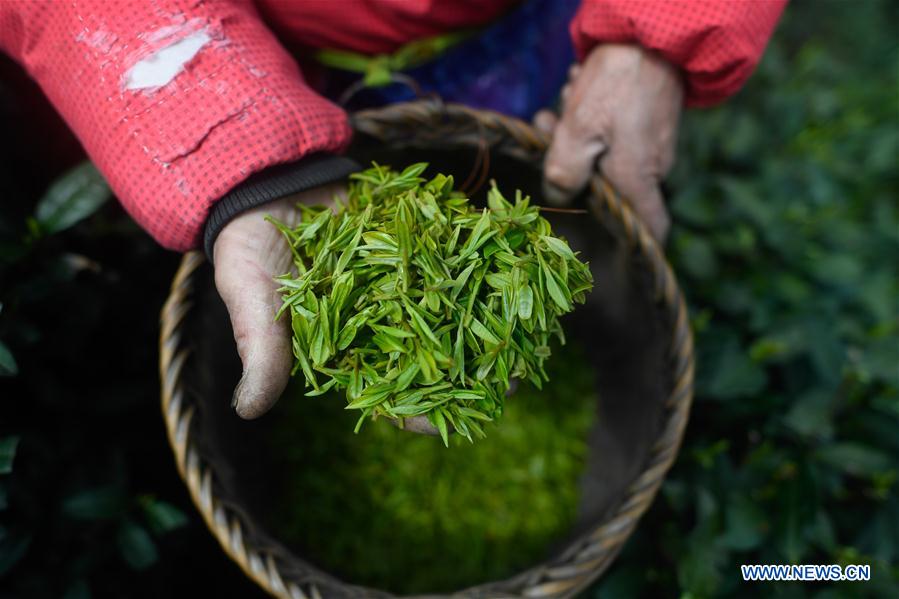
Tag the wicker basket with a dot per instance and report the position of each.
(634, 325)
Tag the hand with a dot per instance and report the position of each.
(621, 107)
(247, 254)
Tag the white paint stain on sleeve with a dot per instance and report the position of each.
(162, 66)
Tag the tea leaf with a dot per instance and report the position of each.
(440, 422)
(389, 301)
(136, 545)
(73, 197)
(558, 246)
(8, 447)
(525, 302)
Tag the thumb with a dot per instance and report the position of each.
(570, 160)
(248, 254)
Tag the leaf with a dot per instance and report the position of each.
(555, 292)
(478, 235)
(304, 364)
(418, 322)
(465, 394)
(428, 364)
(408, 410)
(481, 331)
(855, 459)
(496, 201)
(347, 334)
(407, 376)
(371, 396)
(389, 343)
(13, 548)
(730, 373)
(457, 371)
(355, 386)
(746, 524)
(485, 365)
(78, 590)
(393, 331)
(8, 366)
(462, 279)
(811, 414)
(474, 414)
(697, 256)
(378, 240)
(136, 546)
(347, 254)
(74, 196)
(309, 230)
(98, 503)
(525, 302)
(558, 246)
(322, 390)
(413, 170)
(694, 207)
(439, 421)
(162, 517)
(8, 446)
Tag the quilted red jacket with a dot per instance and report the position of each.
(179, 101)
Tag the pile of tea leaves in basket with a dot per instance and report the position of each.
(415, 303)
(397, 511)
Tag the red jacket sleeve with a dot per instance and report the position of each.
(175, 101)
(717, 43)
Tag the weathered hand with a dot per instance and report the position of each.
(248, 253)
(620, 107)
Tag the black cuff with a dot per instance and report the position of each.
(273, 183)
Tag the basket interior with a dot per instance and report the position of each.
(622, 329)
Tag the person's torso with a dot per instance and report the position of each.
(512, 55)
(375, 26)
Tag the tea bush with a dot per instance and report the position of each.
(786, 241)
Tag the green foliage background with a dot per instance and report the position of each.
(786, 239)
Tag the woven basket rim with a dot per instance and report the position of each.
(585, 558)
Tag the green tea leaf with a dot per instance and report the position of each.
(8, 366)
(439, 420)
(136, 546)
(393, 331)
(525, 302)
(408, 287)
(558, 246)
(70, 199)
(481, 331)
(162, 517)
(8, 446)
(98, 503)
(555, 292)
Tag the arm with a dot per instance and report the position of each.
(642, 61)
(186, 107)
(715, 43)
(176, 102)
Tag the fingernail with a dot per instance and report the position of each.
(236, 396)
(554, 194)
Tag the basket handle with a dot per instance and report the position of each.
(481, 167)
(397, 123)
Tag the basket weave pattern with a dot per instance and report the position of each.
(585, 559)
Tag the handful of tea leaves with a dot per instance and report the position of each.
(416, 303)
